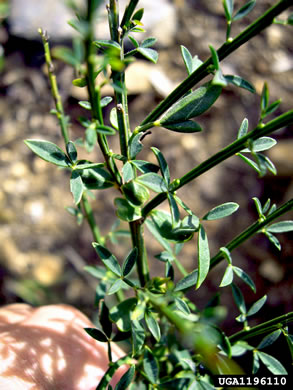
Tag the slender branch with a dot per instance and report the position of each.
(137, 236)
(251, 230)
(227, 48)
(91, 220)
(54, 88)
(235, 147)
(266, 327)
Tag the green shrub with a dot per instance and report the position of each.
(172, 343)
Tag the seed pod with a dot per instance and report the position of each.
(192, 105)
(135, 193)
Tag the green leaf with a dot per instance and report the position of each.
(183, 127)
(273, 240)
(153, 181)
(244, 10)
(145, 166)
(106, 130)
(135, 145)
(255, 363)
(203, 256)
(148, 42)
(90, 139)
(113, 118)
(71, 151)
(228, 276)
(80, 26)
(269, 339)
(174, 210)
(215, 57)
(105, 101)
(228, 7)
(129, 262)
(250, 162)
(104, 319)
(48, 151)
(272, 364)
(243, 128)
(126, 379)
(187, 58)
(85, 104)
(133, 41)
(135, 193)
(257, 306)
(138, 336)
(81, 82)
(96, 334)
(281, 227)
(96, 272)
(271, 108)
(66, 55)
(240, 82)
(226, 253)
(153, 325)
(266, 206)
(262, 143)
(76, 186)
(138, 16)
(187, 282)
(150, 54)
(117, 286)
(182, 306)
(97, 178)
(153, 228)
(245, 277)
(150, 366)
(163, 165)
(126, 211)
(108, 44)
(265, 95)
(219, 79)
(192, 105)
(238, 298)
(221, 211)
(120, 314)
(128, 172)
(108, 259)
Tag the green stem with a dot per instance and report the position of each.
(137, 236)
(94, 93)
(128, 13)
(252, 230)
(227, 48)
(180, 267)
(228, 151)
(266, 327)
(91, 220)
(54, 88)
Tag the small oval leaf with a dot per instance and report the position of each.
(281, 227)
(108, 259)
(183, 127)
(48, 151)
(221, 211)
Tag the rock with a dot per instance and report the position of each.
(52, 15)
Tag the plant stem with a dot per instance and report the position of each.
(227, 48)
(94, 94)
(91, 220)
(137, 236)
(251, 230)
(235, 147)
(266, 327)
(180, 267)
(54, 88)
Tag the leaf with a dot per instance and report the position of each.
(271, 108)
(228, 7)
(66, 55)
(203, 256)
(80, 26)
(108, 44)
(219, 79)
(226, 253)
(145, 166)
(281, 227)
(153, 325)
(245, 277)
(262, 143)
(113, 118)
(138, 15)
(228, 276)
(71, 151)
(76, 186)
(135, 193)
(106, 130)
(85, 104)
(187, 58)
(265, 95)
(183, 127)
(150, 54)
(81, 82)
(153, 228)
(105, 101)
(192, 105)
(215, 57)
(96, 334)
(108, 259)
(128, 172)
(258, 206)
(221, 211)
(126, 211)
(248, 161)
(138, 336)
(244, 10)
(148, 42)
(174, 210)
(126, 379)
(257, 306)
(272, 364)
(97, 178)
(153, 181)
(135, 145)
(240, 82)
(266, 206)
(273, 240)
(117, 286)
(238, 298)
(48, 151)
(134, 41)
(191, 222)
(269, 339)
(104, 319)
(96, 272)
(243, 128)
(182, 306)
(187, 282)
(163, 165)
(129, 262)
(150, 366)
(120, 314)
(255, 363)
(90, 139)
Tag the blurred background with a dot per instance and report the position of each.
(42, 249)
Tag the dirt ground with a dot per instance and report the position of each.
(43, 251)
